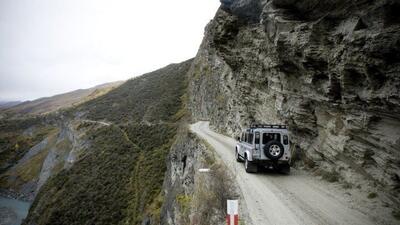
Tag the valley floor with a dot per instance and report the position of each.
(298, 198)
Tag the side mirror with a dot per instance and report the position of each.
(238, 138)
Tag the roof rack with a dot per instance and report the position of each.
(274, 126)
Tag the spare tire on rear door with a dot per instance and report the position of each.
(273, 150)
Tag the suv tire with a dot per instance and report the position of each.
(237, 156)
(273, 150)
(250, 167)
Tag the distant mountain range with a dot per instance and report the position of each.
(54, 103)
(8, 104)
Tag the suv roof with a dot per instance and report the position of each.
(267, 128)
(272, 126)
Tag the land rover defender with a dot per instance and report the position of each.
(264, 145)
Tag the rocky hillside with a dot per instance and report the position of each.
(330, 70)
(190, 196)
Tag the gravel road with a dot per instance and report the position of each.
(272, 199)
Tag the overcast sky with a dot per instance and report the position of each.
(54, 46)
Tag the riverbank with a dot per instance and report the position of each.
(15, 195)
(13, 211)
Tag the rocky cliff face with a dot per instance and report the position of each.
(190, 196)
(330, 70)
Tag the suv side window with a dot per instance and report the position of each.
(285, 140)
(250, 138)
(257, 138)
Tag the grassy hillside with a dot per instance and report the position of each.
(54, 103)
(93, 191)
(120, 178)
(154, 142)
(152, 97)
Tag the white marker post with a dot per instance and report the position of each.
(204, 170)
(233, 212)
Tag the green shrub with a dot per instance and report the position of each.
(184, 202)
(396, 214)
(372, 195)
(330, 176)
(347, 185)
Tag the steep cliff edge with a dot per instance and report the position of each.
(330, 70)
(192, 196)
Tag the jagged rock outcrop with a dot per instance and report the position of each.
(190, 196)
(330, 70)
(183, 163)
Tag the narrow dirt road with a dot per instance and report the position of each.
(98, 122)
(274, 199)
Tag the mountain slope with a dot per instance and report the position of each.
(153, 97)
(54, 103)
(94, 190)
(102, 162)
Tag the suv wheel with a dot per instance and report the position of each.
(274, 150)
(250, 167)
(237, 156)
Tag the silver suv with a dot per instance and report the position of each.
(264, 145)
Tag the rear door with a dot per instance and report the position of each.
(267, 137)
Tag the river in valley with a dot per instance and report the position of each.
(12, 211)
